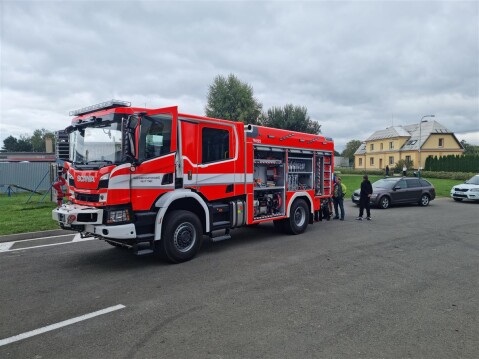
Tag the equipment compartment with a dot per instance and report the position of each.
(268, 181)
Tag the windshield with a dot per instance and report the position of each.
(473, 180)
(96, 143)
(384, 183)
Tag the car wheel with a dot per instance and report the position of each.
(457, 199)
(424, 201)
(384, 202)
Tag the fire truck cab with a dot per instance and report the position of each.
(155, 180)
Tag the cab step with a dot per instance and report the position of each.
(220, 237)
(143, 248)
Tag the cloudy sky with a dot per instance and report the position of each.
(358, 66)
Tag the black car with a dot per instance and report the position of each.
(390, 191)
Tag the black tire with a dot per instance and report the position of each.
(424, 201)
(181, 237)
(457, 199)
(384, 202)
(298, 218)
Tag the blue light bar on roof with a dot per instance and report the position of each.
(100, 106)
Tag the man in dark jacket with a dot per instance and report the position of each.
(364, 198)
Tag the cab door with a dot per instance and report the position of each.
(217, 157)
(156, 148)
(189, 137)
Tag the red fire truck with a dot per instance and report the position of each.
(155, 180)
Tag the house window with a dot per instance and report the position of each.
(371, 146)
(381, 145)
(391, 160)
(216, 145)
(360, 163)
(441, 142)
(408, 159)
(391, 145)
(371, 161)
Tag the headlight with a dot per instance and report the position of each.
(118, 216)
(374, 195)
(474, 190)
(104, 181)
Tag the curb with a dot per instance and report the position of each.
(31, 235)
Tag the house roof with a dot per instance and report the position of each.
(390, 132)
(427, 128)
(414, 141)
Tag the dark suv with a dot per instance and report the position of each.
(390, 191)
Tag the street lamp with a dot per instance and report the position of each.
(420, 144)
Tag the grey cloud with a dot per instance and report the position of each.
(354, 65)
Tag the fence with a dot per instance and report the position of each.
(35, 176)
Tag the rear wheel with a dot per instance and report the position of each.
(298, 219)
(181, 237)
(384, 202)
(424, 201)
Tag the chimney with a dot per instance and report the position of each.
(49, 145)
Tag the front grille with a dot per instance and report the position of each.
(461, 189)
(85, 197)
(460, 195)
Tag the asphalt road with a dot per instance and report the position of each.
(404, 285)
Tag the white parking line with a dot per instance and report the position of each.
(51, 327)
(5, 247)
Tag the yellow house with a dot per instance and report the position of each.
(412, 143)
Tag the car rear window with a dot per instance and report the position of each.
(425, 183)
(413, 183)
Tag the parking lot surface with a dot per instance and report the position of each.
(404, 285)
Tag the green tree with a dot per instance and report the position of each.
(24, 144)
(289, 117)
(469, 149)
(38, 139)
(231, 99)
(400, 164)
(10, 144)
(350, 148)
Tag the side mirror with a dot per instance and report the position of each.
(396, 188)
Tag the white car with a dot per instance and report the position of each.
(467, 190)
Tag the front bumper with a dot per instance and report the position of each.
(356, 199)
(90, 220)
(473, 196)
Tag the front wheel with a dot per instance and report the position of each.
(424, 201)
(384, 202)
(298, 218)
(181, 236)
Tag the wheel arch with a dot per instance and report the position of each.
(302, 195)
(181, 199)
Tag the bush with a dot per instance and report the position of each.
(447, 175)
(453, 163)
(351, 171)
(428, 174)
